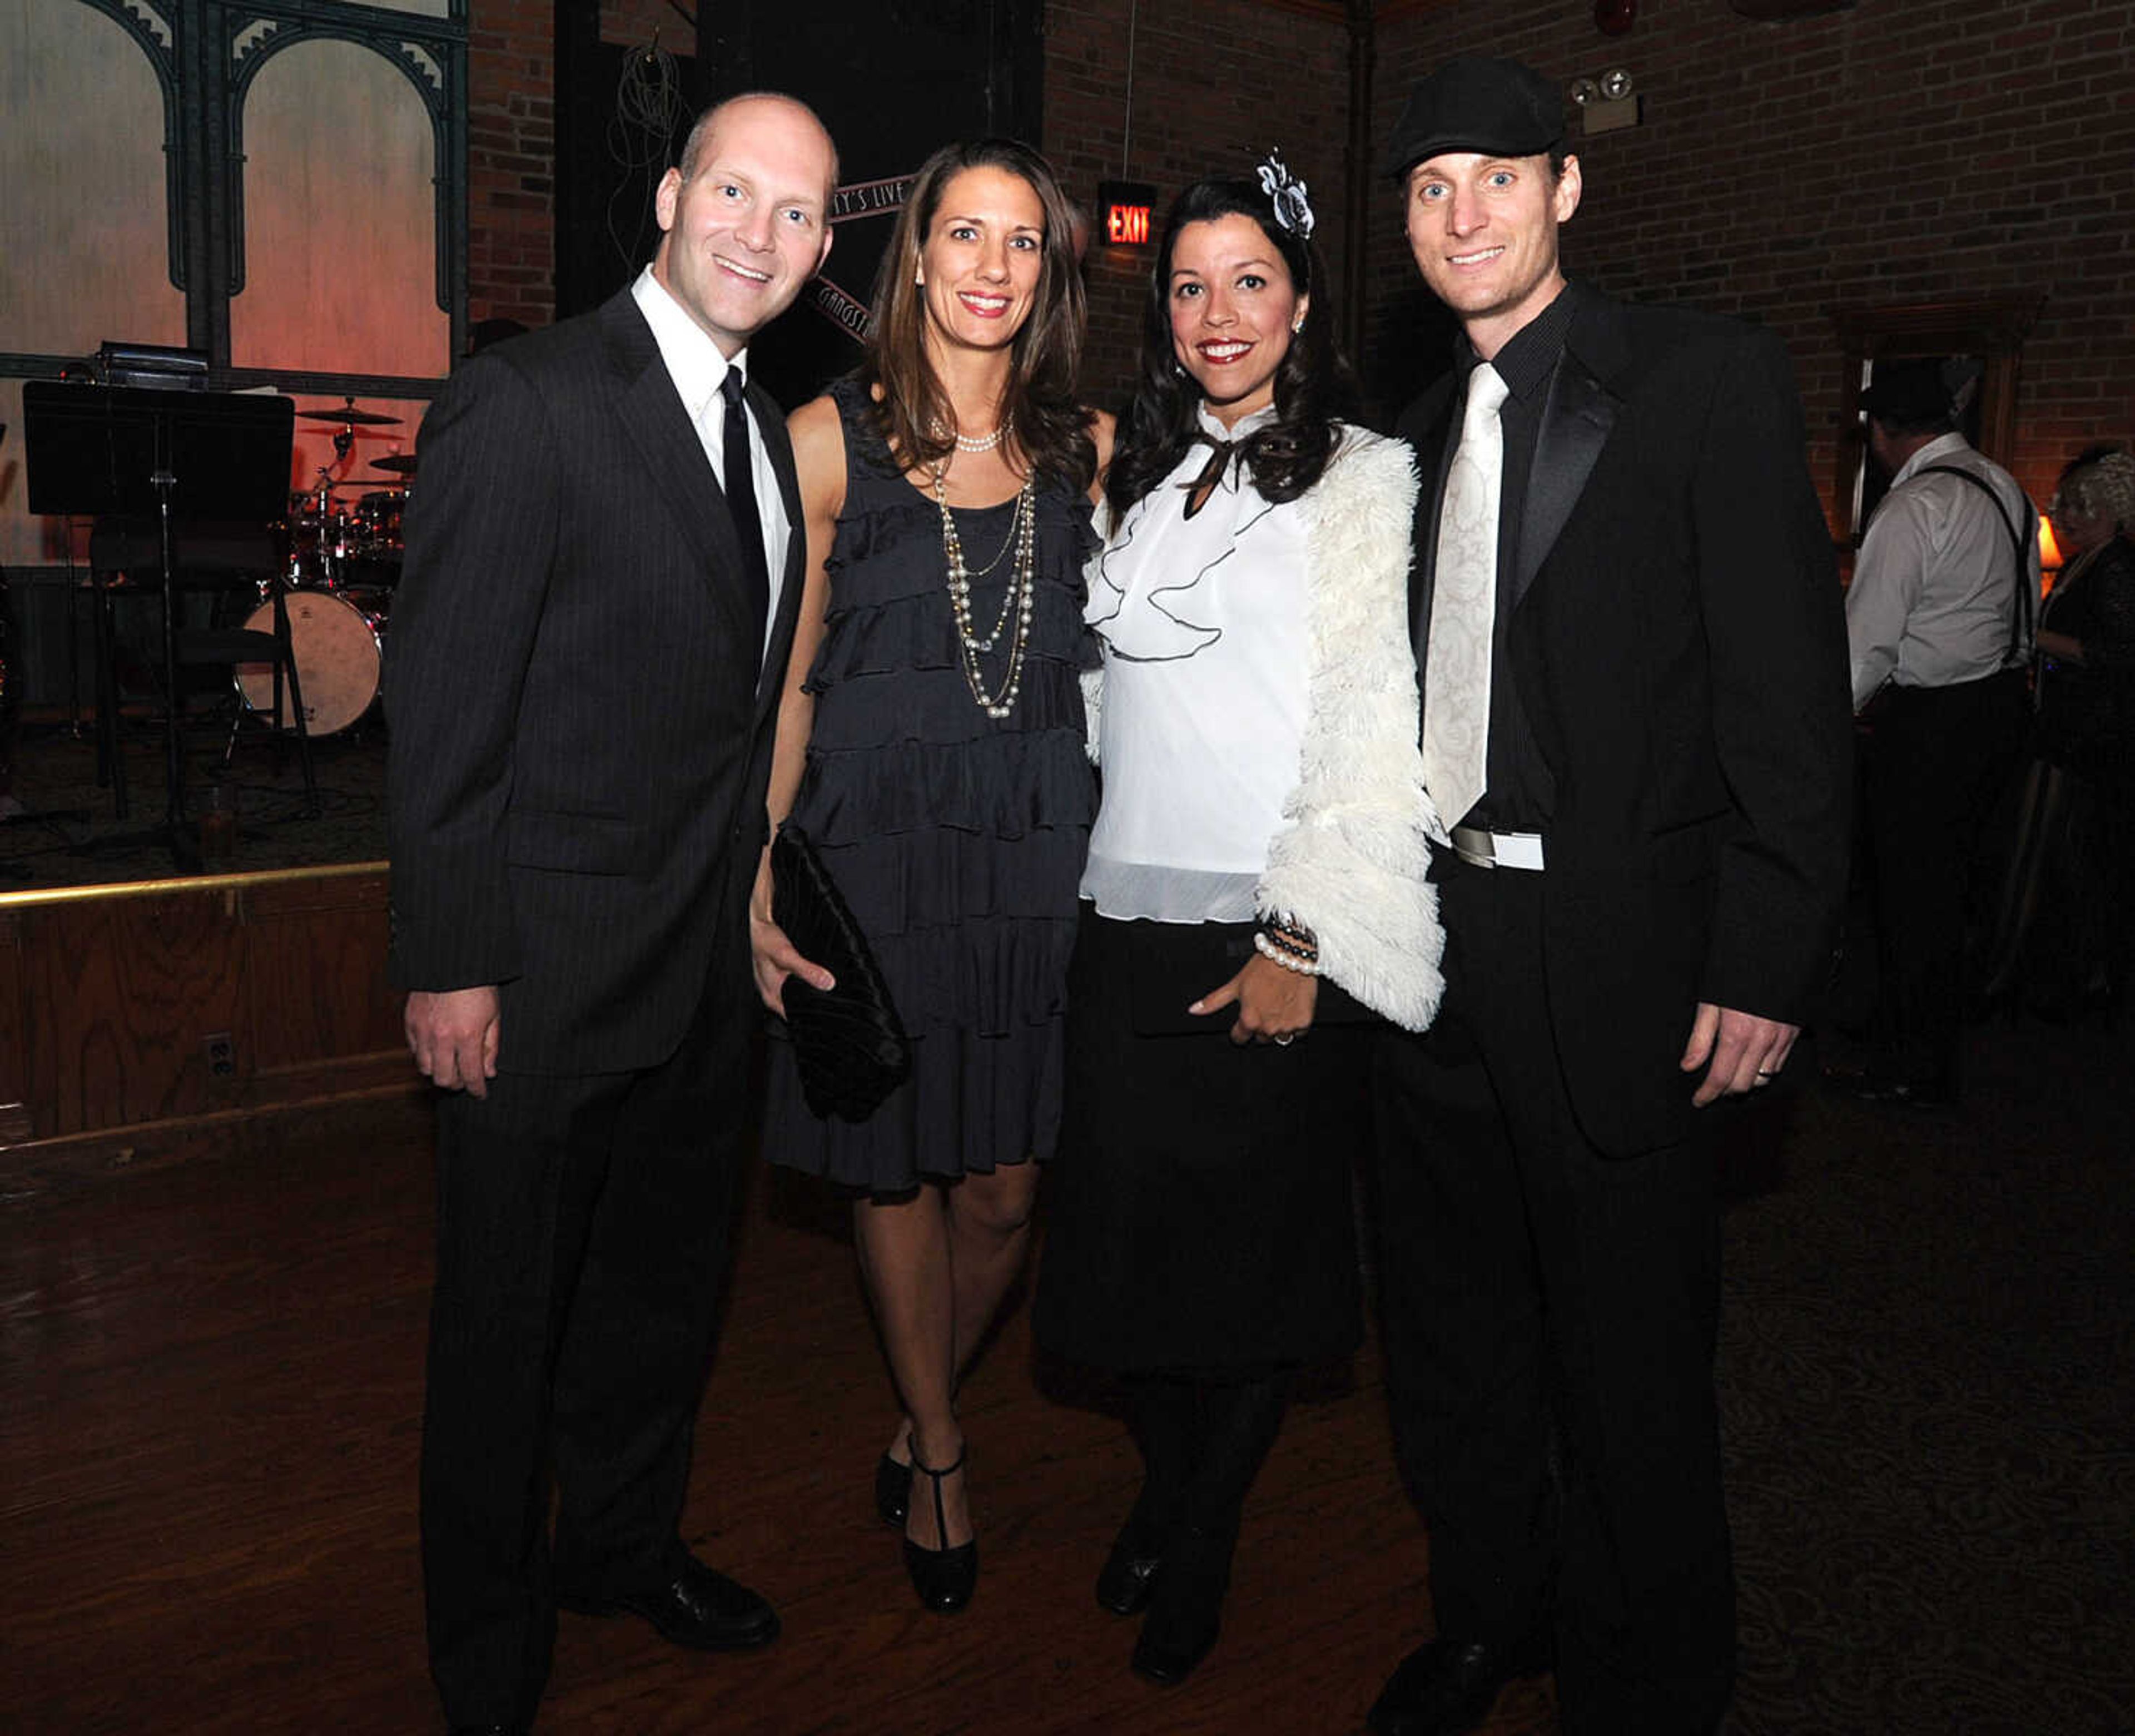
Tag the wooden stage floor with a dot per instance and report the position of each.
(64, 829)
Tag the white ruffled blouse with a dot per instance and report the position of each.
(1204, 625)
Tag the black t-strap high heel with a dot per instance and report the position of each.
(945, 1578)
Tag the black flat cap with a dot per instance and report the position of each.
(1906, 389)
(1500, 108)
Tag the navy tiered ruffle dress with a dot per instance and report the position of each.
(956, 840)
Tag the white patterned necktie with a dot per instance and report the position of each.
(1456, 676)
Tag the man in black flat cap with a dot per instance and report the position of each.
(1938, 624)
(1635, 728)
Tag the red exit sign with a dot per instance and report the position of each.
(1123, 213)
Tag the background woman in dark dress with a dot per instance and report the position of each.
(2086, 696)
(1261, 846)
(931, 744)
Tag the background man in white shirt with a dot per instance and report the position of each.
(1940, 622)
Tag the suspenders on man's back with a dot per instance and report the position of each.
(2020, 617)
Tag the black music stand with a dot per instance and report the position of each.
(166, 455)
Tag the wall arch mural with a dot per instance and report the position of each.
(277, 186)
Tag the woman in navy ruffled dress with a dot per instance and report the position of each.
(931, 744)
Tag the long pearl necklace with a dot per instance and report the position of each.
(1018, 600)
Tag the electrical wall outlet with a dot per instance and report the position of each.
(221, 1053)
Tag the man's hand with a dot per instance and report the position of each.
(1746, 1051)
(452, 1035)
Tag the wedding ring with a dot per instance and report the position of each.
(1761, 1074)
(1284, 1042)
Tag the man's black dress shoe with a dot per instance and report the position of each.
(893, 1491)
(1450, 1686)
(698, 1607)
(1872, 1085)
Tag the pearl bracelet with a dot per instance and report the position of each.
(1267, 948)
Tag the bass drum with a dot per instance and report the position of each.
(339, 640)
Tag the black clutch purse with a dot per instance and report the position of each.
(848, 1040)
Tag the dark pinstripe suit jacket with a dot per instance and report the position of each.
(580, 718)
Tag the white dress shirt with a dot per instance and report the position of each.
(1205, 626)
(1935, 581)
(697, 368)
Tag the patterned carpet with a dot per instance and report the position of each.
(1925, 1368)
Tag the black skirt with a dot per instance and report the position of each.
(1199, 1214)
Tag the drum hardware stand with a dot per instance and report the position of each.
(283, 658)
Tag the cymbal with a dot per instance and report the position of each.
(400, 464)
(348, 413)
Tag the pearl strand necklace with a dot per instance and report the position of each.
(1017, 601)
(976, 443)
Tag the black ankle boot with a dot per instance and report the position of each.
(1125, 1580)
(945, 1578)
(1165, 1414)
(1237, 1425)
(1186, 1603)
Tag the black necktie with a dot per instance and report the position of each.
(741, 498)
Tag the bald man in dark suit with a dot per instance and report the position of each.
(604, 567)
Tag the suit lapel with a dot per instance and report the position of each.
(1576, 424)
(659, 430)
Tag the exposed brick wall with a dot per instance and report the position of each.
(1920, 152)
(511, 161)
(1926, 151)
(1202, 72)
(1216, 82)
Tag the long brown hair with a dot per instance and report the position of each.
(912, 412)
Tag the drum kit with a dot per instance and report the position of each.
(341, 563)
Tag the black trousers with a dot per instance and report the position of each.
(1937, 762)
(583, 1232)
(1549, 1316)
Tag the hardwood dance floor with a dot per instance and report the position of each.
(209, 1400)
(210, 1383)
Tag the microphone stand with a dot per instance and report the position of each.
(182, 848)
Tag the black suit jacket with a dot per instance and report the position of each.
(1680, 651)
(581, 713)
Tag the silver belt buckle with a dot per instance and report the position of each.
(1498, 849)
(1473, 846)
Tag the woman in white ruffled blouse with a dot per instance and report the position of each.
(1255, 893)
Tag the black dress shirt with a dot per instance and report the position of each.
(1520, 793)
